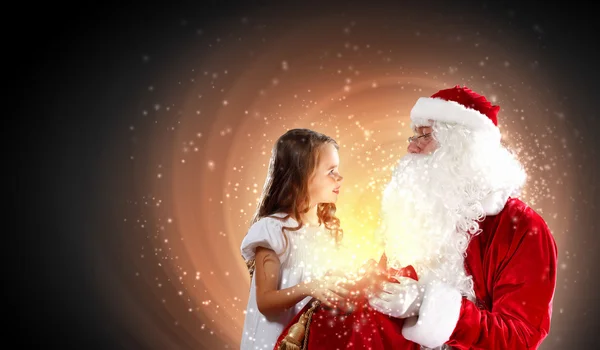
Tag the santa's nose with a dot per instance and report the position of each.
(413, 148)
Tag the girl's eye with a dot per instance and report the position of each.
(331, 172)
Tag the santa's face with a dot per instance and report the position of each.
(422, 141)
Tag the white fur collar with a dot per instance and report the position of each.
(495, 202)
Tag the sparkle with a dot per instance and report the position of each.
(344, 83)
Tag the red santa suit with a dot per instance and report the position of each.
(513, 265)
(512, 261)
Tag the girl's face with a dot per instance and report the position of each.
(324, 184)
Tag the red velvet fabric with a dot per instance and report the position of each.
(363, 328)
(513, 264)
(470, 99)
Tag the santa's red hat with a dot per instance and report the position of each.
(457, 105)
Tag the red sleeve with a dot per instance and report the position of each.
(523, 288)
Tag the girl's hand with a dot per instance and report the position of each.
(361, 281)
(368, 277)
(329, 290)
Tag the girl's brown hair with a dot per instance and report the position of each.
(294, 158)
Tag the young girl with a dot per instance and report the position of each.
(293, 237)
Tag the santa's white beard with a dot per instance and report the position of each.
(432, 206)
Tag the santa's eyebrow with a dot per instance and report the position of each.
(421, 131)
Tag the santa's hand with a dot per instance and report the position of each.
(398, 300)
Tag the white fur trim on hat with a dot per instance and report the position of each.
(437, 318)
(428, 108)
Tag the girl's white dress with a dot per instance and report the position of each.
(310, 252)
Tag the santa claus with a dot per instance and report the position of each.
(485, 261)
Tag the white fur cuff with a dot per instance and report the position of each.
(450, 112)
(437, 318)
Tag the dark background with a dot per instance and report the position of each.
(74, 79)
